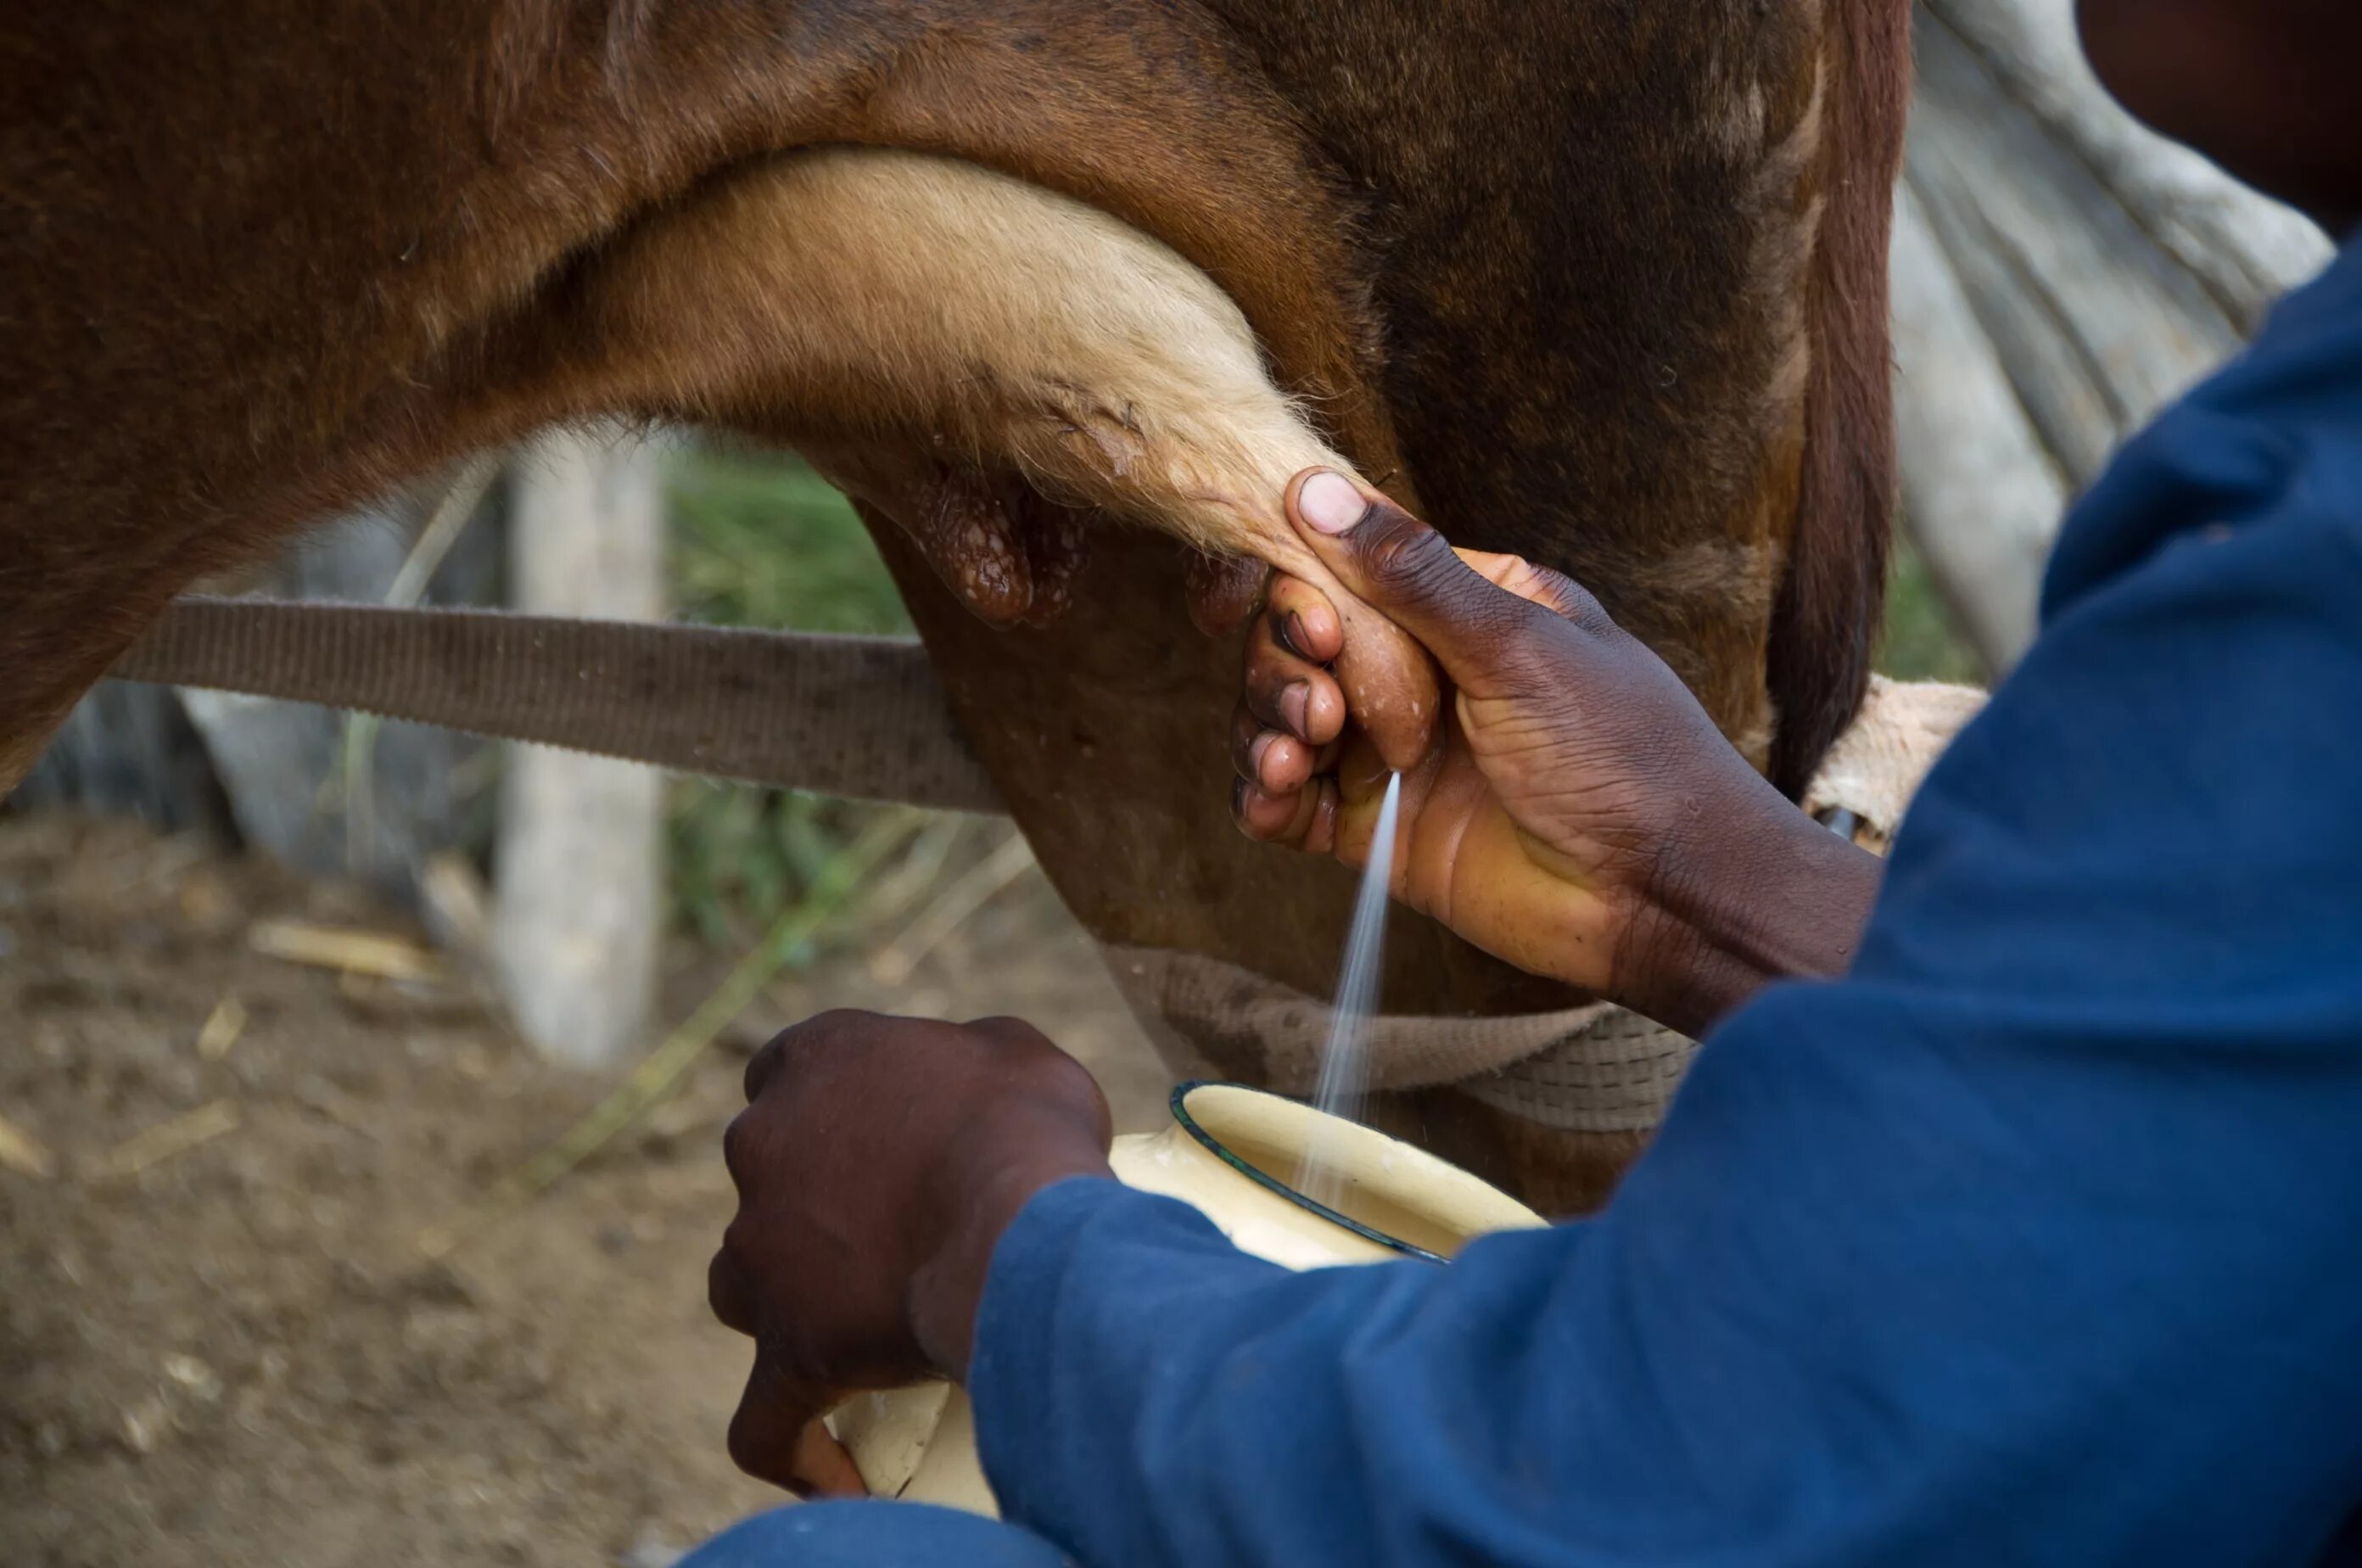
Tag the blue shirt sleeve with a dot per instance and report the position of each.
(2037, 1239)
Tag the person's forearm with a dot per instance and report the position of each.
(1758, 892)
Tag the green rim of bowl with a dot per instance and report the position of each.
(1272, 1184)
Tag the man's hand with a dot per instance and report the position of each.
(1581, 816)
(877, 1162)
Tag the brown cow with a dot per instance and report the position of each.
(1600, 282)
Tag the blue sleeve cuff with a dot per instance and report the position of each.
(1008, 1368)
(1028, 1263)
(1014, 1371)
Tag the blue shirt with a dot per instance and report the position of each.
(2037, 1239)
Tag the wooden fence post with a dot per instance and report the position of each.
(580, 905)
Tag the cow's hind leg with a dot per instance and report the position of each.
(923, 326)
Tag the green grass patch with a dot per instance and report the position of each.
(1920, 642)
(761, 540)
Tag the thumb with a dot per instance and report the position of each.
(778, 1435)
(1410, 574)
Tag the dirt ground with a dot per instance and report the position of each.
(220, 1340)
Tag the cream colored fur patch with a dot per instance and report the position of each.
(881, 308)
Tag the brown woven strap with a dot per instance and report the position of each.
(864, 717)
(1586, 1069)
(855, 716)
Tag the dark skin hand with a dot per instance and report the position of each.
(877, 1162)
(1579, 815)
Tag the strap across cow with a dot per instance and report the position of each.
(863, 717)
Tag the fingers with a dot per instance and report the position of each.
(1291, 694)
(777, 1435)
(1360, 783)
(727, 1294)
(1275, 762)
(823, 1466)
(1299, 620)
(877, 1163)
(1292, 706)
(1285, 730)
(1408, 572)
(1305, 819)
(1553, 590)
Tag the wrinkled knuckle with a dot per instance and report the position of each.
(734, 1150)
(1568, 597)
(1576, 606)
(722, 1298)
(1541, 651)
(1400, 557)
(1522, 576)
(749, 1450)
(1009, 1031)
(762, 1065)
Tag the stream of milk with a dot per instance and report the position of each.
(1344, 1062)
